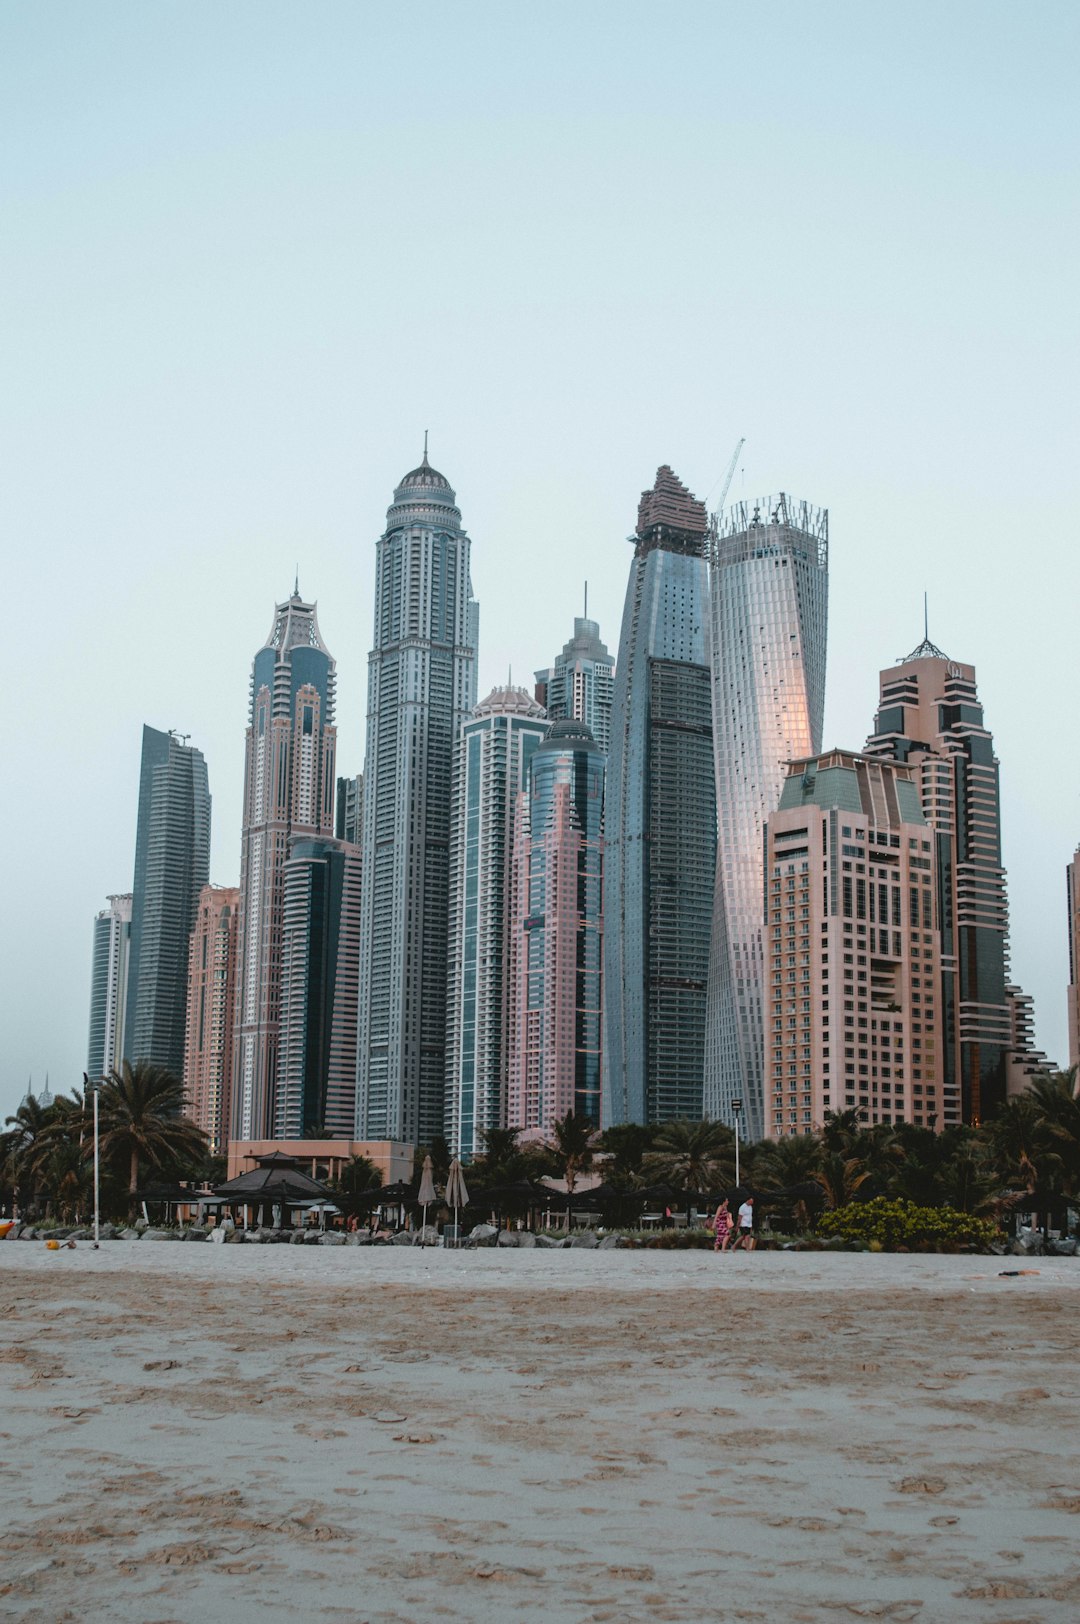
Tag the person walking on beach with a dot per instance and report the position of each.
(745, 1237)
(722, 1227)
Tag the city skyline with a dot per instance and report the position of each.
(213, 368)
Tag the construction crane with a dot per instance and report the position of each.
(729, 476)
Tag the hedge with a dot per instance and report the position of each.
(888, 1225)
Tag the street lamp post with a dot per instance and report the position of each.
(94, 1090)
(736, 1111)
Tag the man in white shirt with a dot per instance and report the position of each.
(745, 1237)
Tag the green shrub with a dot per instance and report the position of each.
(681, 1240)
(889, 1226)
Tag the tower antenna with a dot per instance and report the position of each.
(425, 444)
(586, 600)
(926, 615)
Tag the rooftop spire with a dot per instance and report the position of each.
(425, 463)
(926, 650)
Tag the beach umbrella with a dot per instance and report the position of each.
(457, 1196)
(426, 1194)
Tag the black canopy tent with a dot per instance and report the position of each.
(278, 1181)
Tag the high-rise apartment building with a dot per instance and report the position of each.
(660, 821)
(581, 683)
(1024, 1063)
(421, 689)
(930, 717)
(288, 790)
(320, 962)
(557, 932)
(1072, 905)
(491, 769)
(853, 1018)
(172, 864)
(769, 593)
(108, 987)
(211, 1010)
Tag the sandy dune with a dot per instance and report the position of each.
(268, 1433)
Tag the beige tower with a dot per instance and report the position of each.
(852, 950)
(210, 1007)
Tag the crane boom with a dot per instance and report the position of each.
(729, 476)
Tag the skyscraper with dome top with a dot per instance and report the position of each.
(421, 688)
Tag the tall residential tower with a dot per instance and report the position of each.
(930, 717)
(211, 1008)
(421, 689)
(497, 745)
(557, 933)
(288, 790)
(769, 583)
(108, 987)
(660, 821)
(172, 864)
(1072, 904)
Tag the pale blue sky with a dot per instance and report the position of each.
(252, 250)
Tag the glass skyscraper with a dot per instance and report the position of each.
(172, 864)
(492, 768)
(930, 717)
(769, 586)
(421, 689)
(556, 939)
(320, 949)
(660, 821)
(288, 790)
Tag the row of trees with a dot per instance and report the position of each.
(46, 1153)
(1028, 1156)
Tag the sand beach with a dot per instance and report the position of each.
(388, 1436)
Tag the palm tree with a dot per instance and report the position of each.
(573, 1147)
(691, 1156)
(24, 1147)
(357, 1178)
(66, 1179)
(141, 1120)
(841, 1177)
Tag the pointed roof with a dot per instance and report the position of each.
(670, 504)
(296, 625)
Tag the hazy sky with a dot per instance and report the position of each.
(252, 250)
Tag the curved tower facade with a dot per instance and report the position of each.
(769, 588)
(660, 821)
(421, 689)
(288, 789)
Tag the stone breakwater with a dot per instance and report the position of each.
(481, 1235)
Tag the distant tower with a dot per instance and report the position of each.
(930, 717)
(1072, 902)
(172, 863)
(557, 932)
(421, 688)
(580, 684)
(108, 986)
(211, 1006)
(288, 790)
(660, 821)
(769, 584)
(320, 953)
(349, 816)
(492, 768)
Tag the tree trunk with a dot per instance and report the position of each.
(133, 1181)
